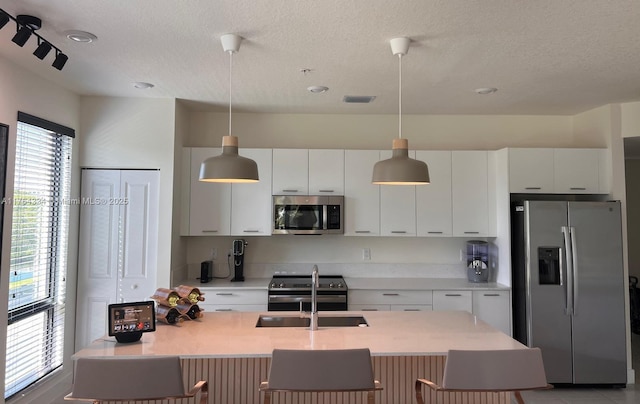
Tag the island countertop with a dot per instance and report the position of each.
(234, 335)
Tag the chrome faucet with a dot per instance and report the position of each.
(315, 281)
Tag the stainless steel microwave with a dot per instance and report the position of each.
(301, 214)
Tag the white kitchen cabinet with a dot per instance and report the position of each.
(494, 308)
(209, 203)
(361, 197)
(469, 189)
(251, 203)
(453, 300)
(576, 171)
(394, 300)
(433, 201)
(397, 206)
(531, 171)
(290, 172)
(326, 172)
(229, 299)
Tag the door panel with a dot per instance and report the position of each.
(549, 325)
(599, 319)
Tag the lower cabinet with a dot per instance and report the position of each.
(490, 306)
(225, 299)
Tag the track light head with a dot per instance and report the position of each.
(26, 25)
(22, 36)
(4, 19)
(60, 60)
(42, 50)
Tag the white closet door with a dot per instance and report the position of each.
(118, 245)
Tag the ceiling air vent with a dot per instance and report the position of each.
(358, 99)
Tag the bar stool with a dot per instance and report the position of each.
(340, 370)
(490, 371)
(129, 379)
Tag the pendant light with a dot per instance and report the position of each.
(400, 169)
(229, 166)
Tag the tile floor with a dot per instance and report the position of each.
(628, 395)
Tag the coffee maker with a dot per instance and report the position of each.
(477, 261)
(238, 260)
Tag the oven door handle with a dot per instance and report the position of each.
(298, 298)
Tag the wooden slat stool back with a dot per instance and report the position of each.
(511, 370)
(129, 379)
(339, 370)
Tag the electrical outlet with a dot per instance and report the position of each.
(366, 254)
(214, 253)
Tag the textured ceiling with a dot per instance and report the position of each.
(544, 56)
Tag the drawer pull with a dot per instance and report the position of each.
(224, 310)
(471, 232)
(391, 294)
(578, 188)
(224, 294)
(533, 188)
(363, 231)
(369, 309)
(434, 232)
(411, 309)
(289, 190)
(326, 190)
(492, 294)
(398, 232)
(251, 231)
(209, 231)
(453, 294)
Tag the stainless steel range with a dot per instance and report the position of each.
(293, 293)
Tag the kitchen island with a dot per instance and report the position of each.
(229, 351)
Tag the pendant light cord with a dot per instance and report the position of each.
(230, 69)
(400, 96)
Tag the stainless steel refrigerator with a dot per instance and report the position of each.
(568, 288)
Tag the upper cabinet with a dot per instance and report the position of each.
(470, 193)
(251, 203)
(433, 201)
(290, 172)
(219, 209)
(308, 172)
(361, 197)
(397, 206)
(559, 171)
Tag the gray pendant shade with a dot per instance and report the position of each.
(400, 169)
(229, 166)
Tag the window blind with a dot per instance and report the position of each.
(40, 204)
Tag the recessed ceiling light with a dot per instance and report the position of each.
(318, 89)
(358, 99)
(142, 85)
(486, 90)
(81, 36)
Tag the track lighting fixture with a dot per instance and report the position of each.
(26, 26)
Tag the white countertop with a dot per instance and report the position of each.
(233, 334)
(420, 284)
(362, 283)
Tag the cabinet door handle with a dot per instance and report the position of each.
(578, 188)
(326, 190)
(289, 190)
(471, 232)
(398, 232)
(224, 309)
(369, 309)
(251, 231)
(453, 294)
(434, 232)
(391, 294)
(492, 294)
(363, 231)
(224, 294)
(533, 188)
(411, 309)
(209, 231)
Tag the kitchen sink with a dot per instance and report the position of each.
(323, 321)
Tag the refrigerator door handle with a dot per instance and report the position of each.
(574, 268)
(568, 258)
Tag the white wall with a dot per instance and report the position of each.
(135, 133)
(22, 91)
